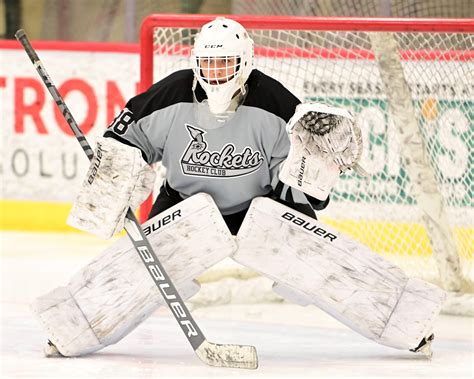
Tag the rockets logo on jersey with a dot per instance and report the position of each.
(197, 160)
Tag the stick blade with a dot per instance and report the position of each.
(232, 356)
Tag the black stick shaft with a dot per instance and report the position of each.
(132, 226)
(22, 37)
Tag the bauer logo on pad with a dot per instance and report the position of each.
(153, 227)
(309, 226)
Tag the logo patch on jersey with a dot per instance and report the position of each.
(197, 160)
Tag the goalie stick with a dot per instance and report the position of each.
(218, 355)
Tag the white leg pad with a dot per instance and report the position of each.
(114, 293)
(291, 294)
(341, 276)
(71, 331)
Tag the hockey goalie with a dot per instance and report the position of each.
(247, 168)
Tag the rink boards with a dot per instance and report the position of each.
(51, 217)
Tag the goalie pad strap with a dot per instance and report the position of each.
(114, 293)
(320, 266)
(118, 178)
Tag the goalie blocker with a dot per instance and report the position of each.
(311, 263)
(111, 186)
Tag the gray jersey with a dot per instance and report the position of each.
(233, 163)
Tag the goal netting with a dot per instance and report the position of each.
(410, 84)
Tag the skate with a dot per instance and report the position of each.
(425, 346)
(51, 351)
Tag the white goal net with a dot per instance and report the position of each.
(410, 84)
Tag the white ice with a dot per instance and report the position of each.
(292, 341)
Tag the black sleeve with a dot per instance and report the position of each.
(144, 111)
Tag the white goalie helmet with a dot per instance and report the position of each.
(222, 61)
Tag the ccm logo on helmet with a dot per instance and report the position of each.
(212, 46)
(308, 226)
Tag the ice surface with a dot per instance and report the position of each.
(292, 341)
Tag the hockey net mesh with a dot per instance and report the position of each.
(339, 68)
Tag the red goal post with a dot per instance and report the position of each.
(408, 82)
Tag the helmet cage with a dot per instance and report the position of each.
(217, 70)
